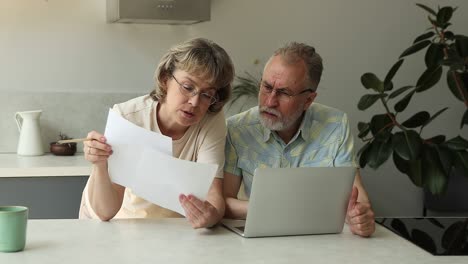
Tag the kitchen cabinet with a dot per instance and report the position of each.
(46, 197)
(50, 186)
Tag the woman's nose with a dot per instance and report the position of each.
(195, 100)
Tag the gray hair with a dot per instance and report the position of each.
(294, 51)
(200, 57)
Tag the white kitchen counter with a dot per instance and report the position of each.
(48, 165)
(174, 241)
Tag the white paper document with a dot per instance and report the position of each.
(120, 131)
(160, 179)
(142, 161)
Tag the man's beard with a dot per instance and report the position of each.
(282, 122)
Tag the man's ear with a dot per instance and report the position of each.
(309, 100)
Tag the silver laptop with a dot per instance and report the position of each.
(296, 201)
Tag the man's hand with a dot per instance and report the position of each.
(199, 213)
(360, 216)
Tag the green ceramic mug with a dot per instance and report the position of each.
(13, 222)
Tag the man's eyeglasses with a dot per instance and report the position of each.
(281, 94)
(190, 91)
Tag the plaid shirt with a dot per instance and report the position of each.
(323, 140)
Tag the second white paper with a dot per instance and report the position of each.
(160, 179)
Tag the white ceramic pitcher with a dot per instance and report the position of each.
(30, 140)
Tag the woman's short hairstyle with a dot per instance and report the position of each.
(294, 51)
(202, 58)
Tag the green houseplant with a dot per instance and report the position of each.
(428, 161)
(246, 86)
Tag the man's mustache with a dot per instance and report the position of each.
(270, 111)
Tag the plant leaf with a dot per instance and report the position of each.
(363, 155)
(417, 119)
(415, 48)
(434, 55)
(461, 44)
(401, 164)
(461, 161)
(423, 240)
(248, 81)
(452, 84)
(436, 140)
(400, 91)
(444, 15)
(415, 172)
(428, 9)
(436, 115)
(403, 103)
(362, 149)
(391, 73)
(453, 59)
(435, 178)
(446, 25)
(449, 35)
(388, 86)
(371, 81)
(407, 144)
(378, 122)
(368, 100)
(380, 151)
(245, 86)
(364, 129)
(454, 237)
(446, 158)
(464, 119)
(457, 143)
(424, 36)
(362, 126)
(400, 228)
(429, 78)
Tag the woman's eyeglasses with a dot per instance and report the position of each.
(190, 91)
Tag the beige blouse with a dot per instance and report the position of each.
(202, 142)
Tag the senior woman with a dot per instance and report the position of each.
(193, 81)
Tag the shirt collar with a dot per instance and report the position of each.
(266, 133)
(303, 128)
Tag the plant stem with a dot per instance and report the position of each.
(443, 41)
(390, 115)
(393, 123)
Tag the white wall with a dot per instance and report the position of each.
(65, 46)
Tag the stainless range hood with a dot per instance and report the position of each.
(158, 11)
